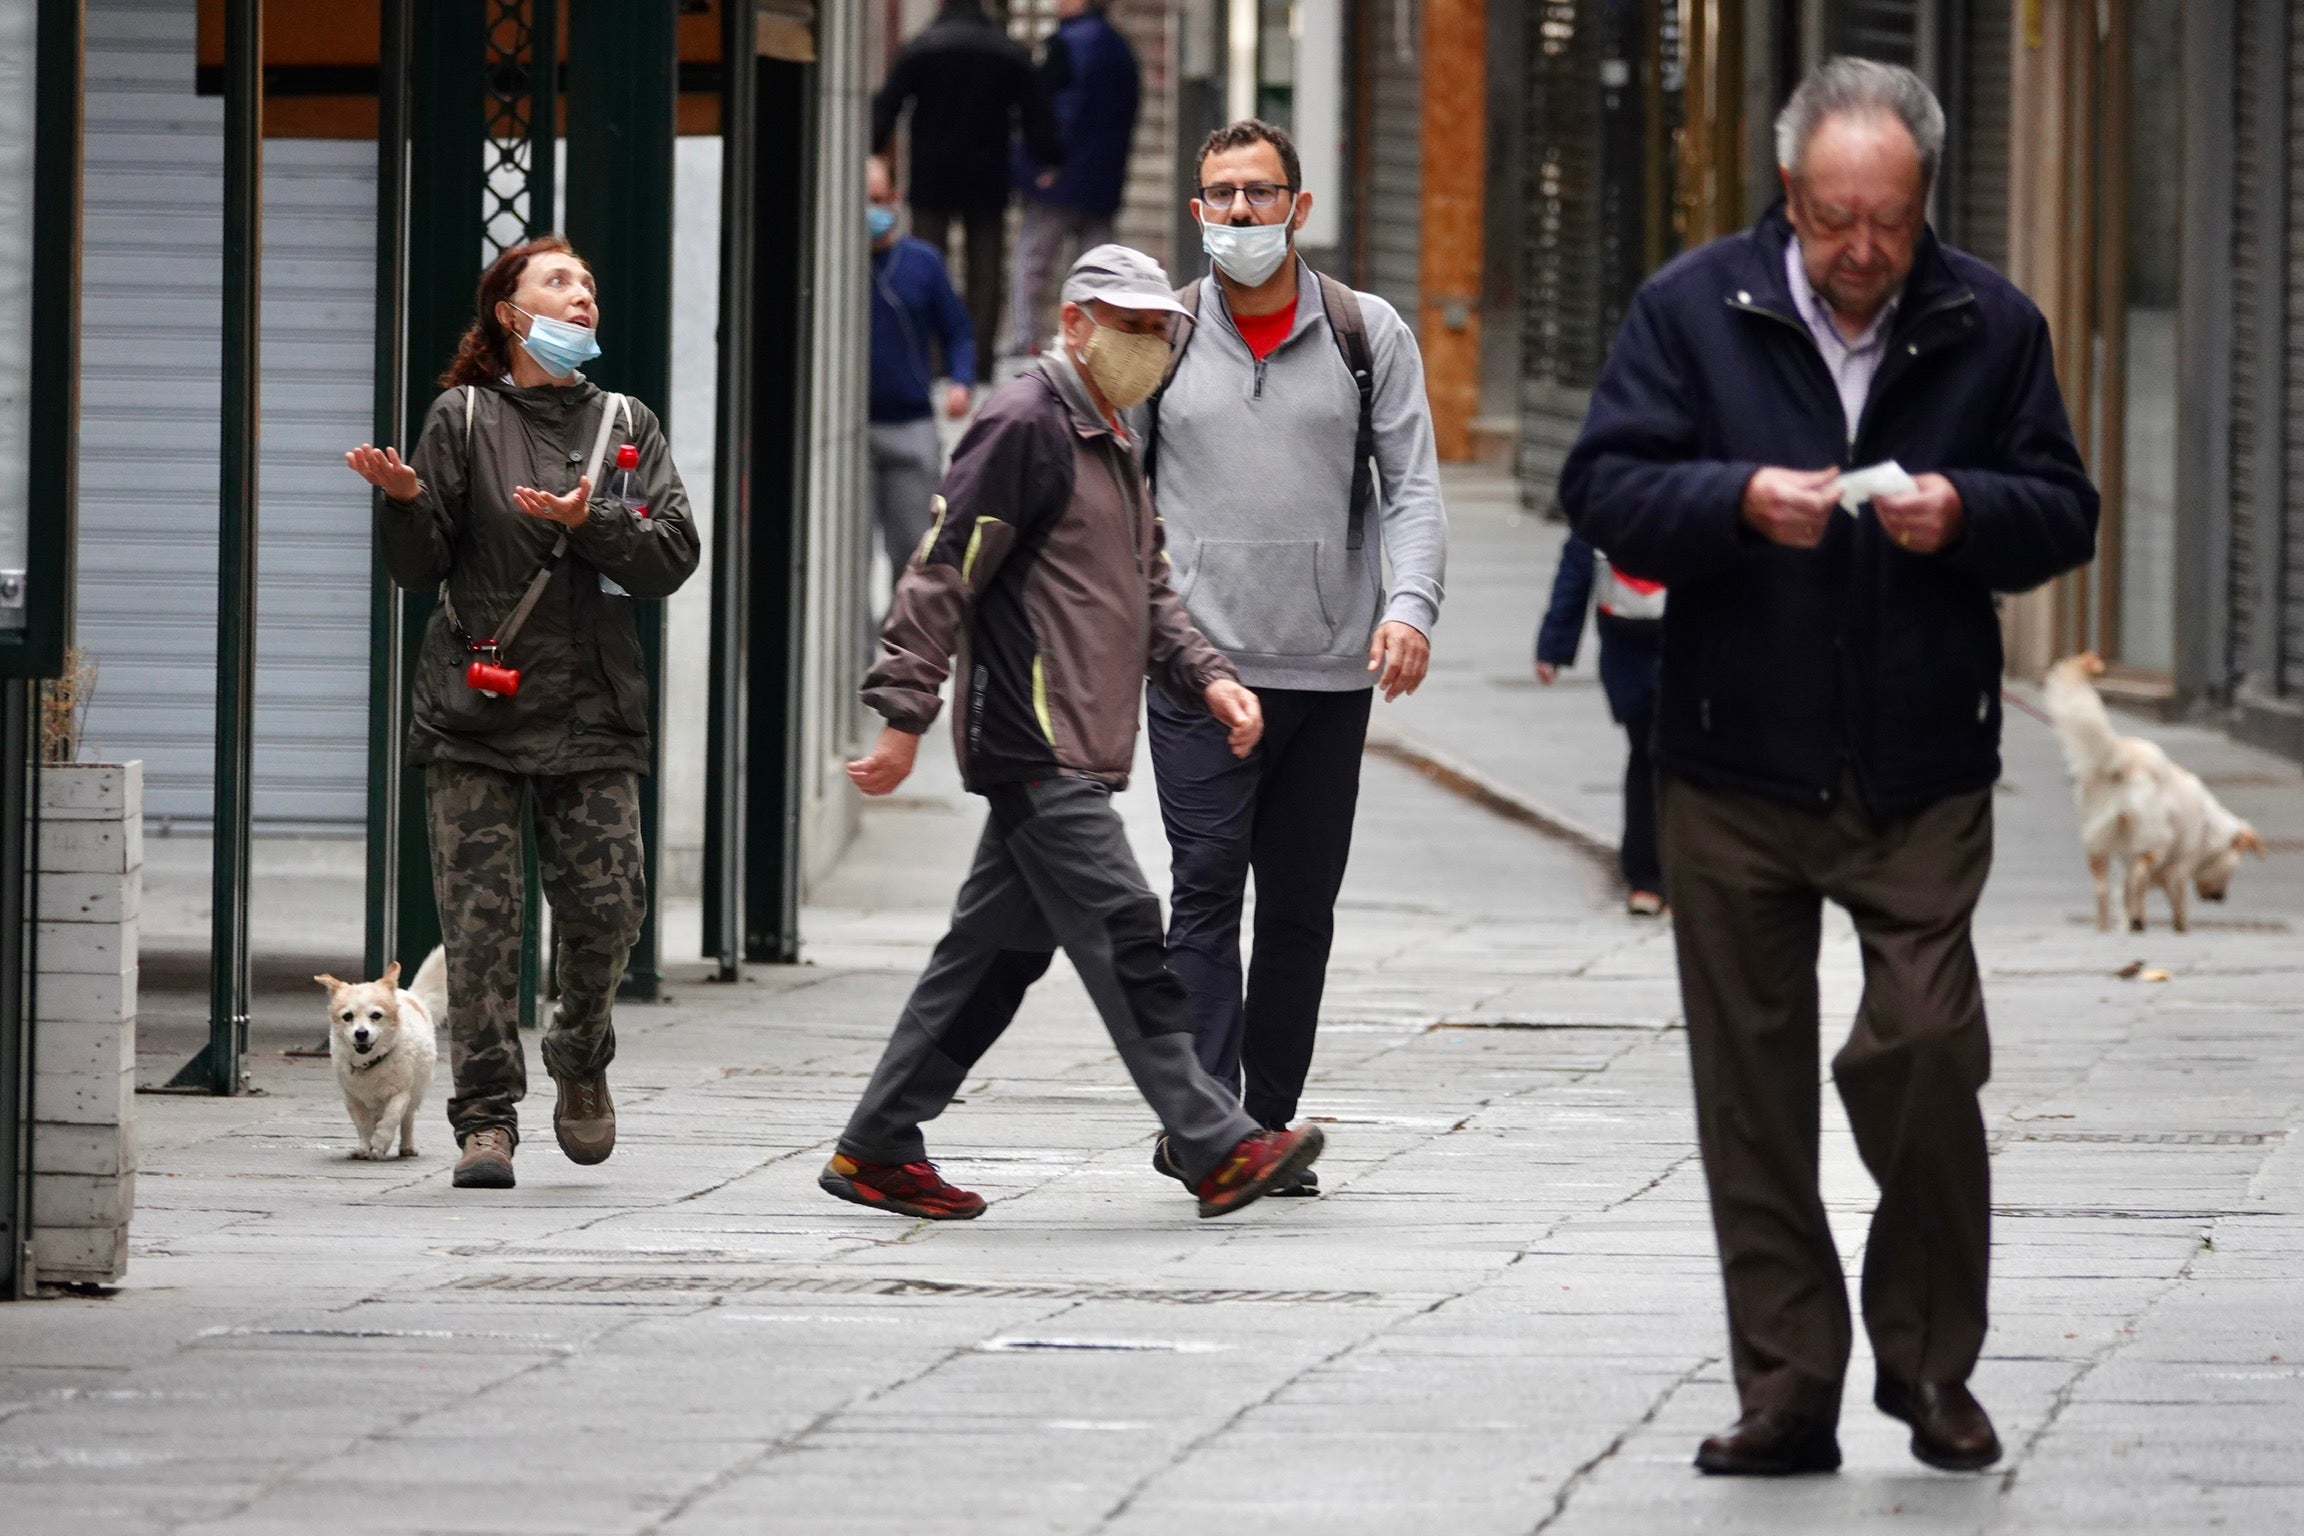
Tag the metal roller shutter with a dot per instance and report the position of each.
(1982, 143)
(2248, 127)
(1148, 206)
(150, 312)
(2290, 664)
(1392, 221)
(1572, 210)
(1887, 30)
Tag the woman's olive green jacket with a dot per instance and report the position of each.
(583, 701)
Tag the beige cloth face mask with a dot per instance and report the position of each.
(1126, 367)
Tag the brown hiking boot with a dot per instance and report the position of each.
(487, 1160)
(585, 1118)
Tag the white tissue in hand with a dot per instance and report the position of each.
(1886, 478)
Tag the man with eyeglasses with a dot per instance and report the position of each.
(1828, 728)
(1291, 451)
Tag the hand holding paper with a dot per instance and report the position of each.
(1925, 520)
(1886, 478)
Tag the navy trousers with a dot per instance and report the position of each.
(1284, 814)
(1629, 652)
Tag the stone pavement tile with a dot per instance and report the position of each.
(117, 1510)
(837, 1485)
(348, 1500)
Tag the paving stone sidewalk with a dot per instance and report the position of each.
(1504, 1317)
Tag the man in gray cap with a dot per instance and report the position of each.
(1045, 574)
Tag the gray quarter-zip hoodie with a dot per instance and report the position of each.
(1255, 487)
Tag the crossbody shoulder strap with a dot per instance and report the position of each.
(1189, 297)
(613, 408)
(1350, 328)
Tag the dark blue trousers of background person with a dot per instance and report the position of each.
(1631, 653)
(1283, 814)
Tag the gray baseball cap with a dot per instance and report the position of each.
(1122, 277)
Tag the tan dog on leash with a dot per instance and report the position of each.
(384, 1041)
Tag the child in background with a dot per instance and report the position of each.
(1631, 625)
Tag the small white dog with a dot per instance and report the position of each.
(383, 1040)
(2139, 810)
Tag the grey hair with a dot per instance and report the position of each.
(1846, 87)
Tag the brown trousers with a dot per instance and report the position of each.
(1747, 878)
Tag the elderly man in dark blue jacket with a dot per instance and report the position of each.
(1828, 727)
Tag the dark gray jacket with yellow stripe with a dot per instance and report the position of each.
(1047, 576)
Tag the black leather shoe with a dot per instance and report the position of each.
(1950, 1429)
(1765, 1443)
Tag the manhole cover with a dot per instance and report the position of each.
(2153, 1138)
(2111, 1213)
(859, 1285)
(1557, 1021)
(1004, 1346)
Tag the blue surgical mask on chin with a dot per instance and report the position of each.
(1247, 253)
(879, 220)
(558, 347)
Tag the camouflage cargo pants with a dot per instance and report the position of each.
(588, 853)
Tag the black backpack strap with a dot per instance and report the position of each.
(1189, 297)
(1350, 329)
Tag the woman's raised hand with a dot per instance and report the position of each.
(381, 467)
(568, 511)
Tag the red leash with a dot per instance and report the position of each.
(2034, 710)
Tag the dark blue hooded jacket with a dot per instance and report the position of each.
(1781, 665)
(1089, 73)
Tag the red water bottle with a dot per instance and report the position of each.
(623, 489)
(624, 482)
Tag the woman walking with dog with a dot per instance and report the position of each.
(530, 683)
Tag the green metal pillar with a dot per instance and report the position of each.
(217, 1068)
(623, 93)
(19, 827)
(782, 259)
(732, 499)
(34, 647)
(387, 720)
(446, 44)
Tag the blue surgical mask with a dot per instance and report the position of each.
(558, 347)
(879, 219)
(1246, 253)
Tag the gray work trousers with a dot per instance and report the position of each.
(1054, 869)
(907, 462)
(1040, 245)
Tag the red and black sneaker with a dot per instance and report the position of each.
(1164, 1163)
(914, 1189)
(1256, 1167)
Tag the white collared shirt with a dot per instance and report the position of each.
(1852, 364)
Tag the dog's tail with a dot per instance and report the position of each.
(2077, 711)
(431, 985)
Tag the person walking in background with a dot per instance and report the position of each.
(1828, 727)
(912, 304)
(971, 90)
(1630, 621)
(1291, 450)
(1090, 76)
(1047, 578)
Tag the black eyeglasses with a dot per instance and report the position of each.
(1260, 194)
